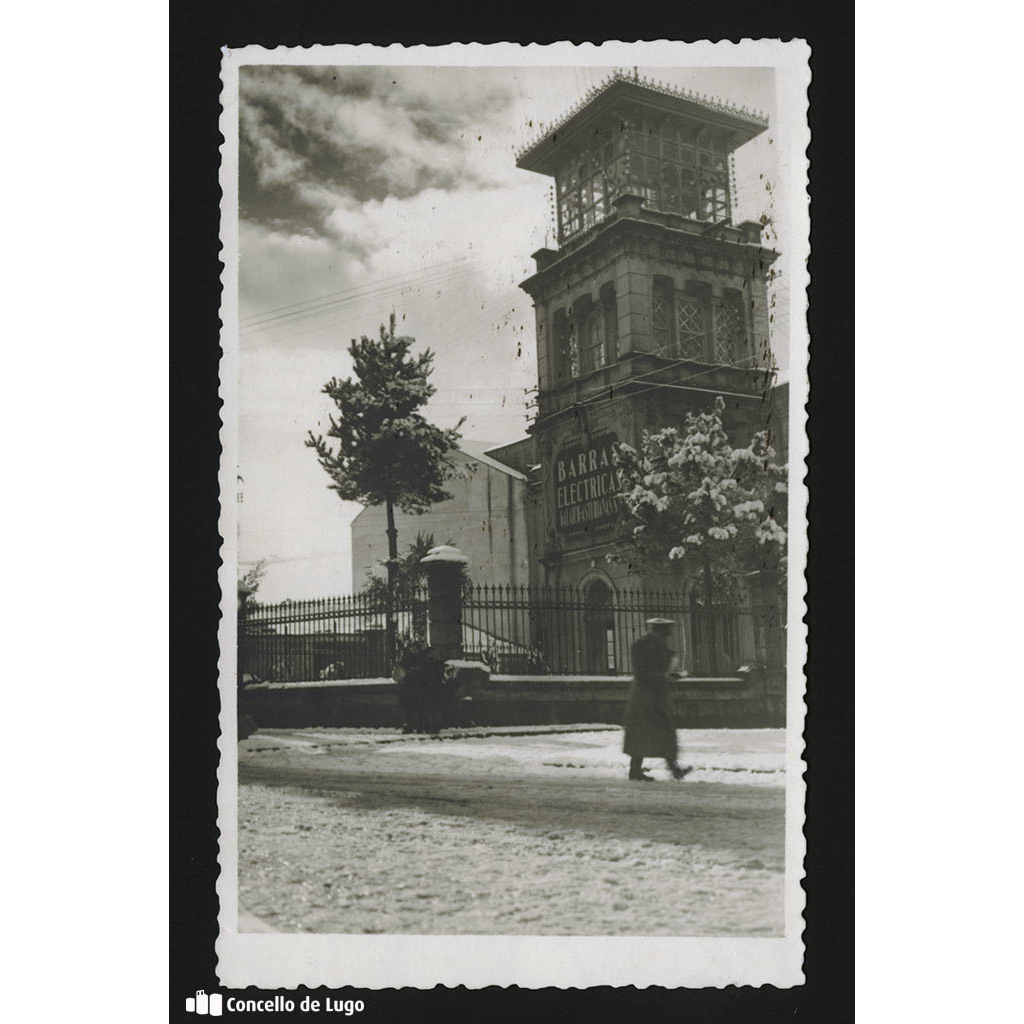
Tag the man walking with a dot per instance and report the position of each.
(650, 728)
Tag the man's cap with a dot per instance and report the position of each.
(661, 622)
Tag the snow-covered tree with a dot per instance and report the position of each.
(387, 453)
(697, 505)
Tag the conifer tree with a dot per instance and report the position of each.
(386, 452)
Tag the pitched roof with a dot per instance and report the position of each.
(477, 451)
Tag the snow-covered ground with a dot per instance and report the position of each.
(510, 832)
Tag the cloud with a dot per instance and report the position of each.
(460, 251)
(279, 267)
(365, 134)
(351, 177)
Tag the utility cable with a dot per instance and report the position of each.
(355, 288)
(368, 295)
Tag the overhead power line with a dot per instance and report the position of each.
(367, 295)
(371, 303)
(680, 385)
(355, 288)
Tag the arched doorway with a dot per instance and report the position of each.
(599, 655)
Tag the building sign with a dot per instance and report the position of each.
(586, 482)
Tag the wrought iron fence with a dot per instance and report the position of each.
(516, 630)
(590, 631)
(329, 638)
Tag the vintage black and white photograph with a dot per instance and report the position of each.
(514, 376)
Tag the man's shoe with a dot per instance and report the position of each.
(680, 773)
(642, 777)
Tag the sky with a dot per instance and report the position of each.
(364, 190)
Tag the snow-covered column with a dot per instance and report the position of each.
(444, 567)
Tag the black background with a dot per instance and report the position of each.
(197, 31)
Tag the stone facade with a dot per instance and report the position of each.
(650, 307)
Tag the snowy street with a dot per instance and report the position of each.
(510, 831)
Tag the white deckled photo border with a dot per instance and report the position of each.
(394, 961)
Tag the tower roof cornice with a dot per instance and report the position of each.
(621, 85)
(731, 254)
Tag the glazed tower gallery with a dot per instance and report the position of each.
(653, 303)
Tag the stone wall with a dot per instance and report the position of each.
(748, 702)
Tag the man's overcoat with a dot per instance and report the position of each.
(650, 725)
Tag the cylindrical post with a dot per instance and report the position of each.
(444, 568)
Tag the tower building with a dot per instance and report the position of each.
(653, 302)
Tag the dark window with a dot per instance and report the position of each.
(652, 181)
(661, 315)
(572, 348)
(566, 361)
(610, 309)
(591, 320)
(669, 188)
